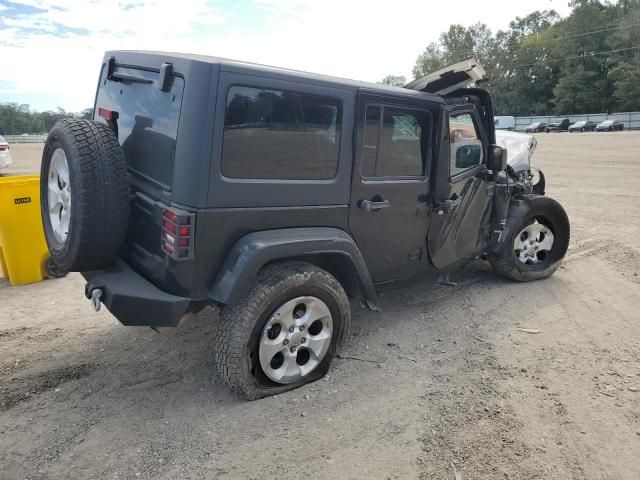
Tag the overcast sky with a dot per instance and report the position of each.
(50, 50)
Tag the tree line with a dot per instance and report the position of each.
(587, 62)
(16, 119)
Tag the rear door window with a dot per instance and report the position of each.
(280, 134)
(395, 142)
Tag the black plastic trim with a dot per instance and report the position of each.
(132, 299)
(255, 250)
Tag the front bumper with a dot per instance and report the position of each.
(133, 300)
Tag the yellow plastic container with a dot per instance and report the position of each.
(23, 250)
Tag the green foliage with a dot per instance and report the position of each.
(626, 81)
(16, 119)
(430, 60)
(394, 80)
(578, 90)
(544, 64)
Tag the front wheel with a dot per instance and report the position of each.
(537, 243)
(284, 333)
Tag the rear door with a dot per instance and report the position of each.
(461, 220)
(145, 118)
(389, 201)
(143, 109)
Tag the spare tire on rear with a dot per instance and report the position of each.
(84, 195)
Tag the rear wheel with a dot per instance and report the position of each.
(284, 333)
(535, 248)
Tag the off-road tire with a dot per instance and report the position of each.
(54, 270)
(241, 325)
(99, 195)
(505, 261)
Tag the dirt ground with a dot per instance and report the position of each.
(440, 384)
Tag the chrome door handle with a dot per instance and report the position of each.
(369, 206)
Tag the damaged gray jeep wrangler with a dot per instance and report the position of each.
(277, 195)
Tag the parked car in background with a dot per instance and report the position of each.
(536, 127)
(5, 155)
(610, 126)
(583, 126)
(558, 125)
(505, 122)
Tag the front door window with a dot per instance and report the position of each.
(466, 146)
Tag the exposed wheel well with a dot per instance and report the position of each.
(337, 265)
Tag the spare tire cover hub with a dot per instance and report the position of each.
(59, 190)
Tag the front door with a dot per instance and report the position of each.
(389, 211)
(461, 218)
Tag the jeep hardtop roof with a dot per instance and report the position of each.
(153, 59)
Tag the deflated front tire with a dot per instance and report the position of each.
(537, 241)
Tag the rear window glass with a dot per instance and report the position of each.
(147, 122)
(279, 134)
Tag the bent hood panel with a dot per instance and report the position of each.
(450, 78)
(520, 148)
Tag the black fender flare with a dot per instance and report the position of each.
(329, 248)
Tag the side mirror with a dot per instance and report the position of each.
(468, 156)
(497, 158)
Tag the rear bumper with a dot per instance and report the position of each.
(5, 160)
(133, 300)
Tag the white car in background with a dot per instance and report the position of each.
(5, 155)
(505, 122)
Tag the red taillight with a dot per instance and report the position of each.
(177, 233)
(4, 148)
(107, 114)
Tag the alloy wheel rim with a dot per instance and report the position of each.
(295, 339)
(59, 195)
(533, 244)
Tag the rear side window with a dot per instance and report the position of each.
(394, 142)
(278, 134)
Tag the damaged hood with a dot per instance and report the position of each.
(450, 78)
(520, 148)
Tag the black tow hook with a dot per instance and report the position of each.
(94, 293)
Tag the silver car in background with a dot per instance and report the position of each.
(5, 155)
